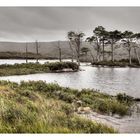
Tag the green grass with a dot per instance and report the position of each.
(99, 102)
(31, 68)
(37, 107)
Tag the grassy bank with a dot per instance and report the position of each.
(120, 63)
(31, 68)
(37, 107)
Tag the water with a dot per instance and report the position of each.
(20, 61)
(109, 80)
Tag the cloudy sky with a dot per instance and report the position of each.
(53, 23)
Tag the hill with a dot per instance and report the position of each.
(50, 50)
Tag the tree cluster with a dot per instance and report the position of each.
(102, 38)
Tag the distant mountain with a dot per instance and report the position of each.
(50, 49)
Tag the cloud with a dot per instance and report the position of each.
(53, 23)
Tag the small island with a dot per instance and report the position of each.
(32, 68)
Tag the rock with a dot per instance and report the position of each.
(83, 110)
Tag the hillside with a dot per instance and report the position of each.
(50, 49)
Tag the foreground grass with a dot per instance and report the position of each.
(37, 107)
(31, 68)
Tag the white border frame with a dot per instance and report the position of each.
(69, 3)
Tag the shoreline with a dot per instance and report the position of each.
(104, 64)
(120, 64)
(119, 124)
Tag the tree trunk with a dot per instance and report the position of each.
(72, 56)
(98, 51)
(130, 61)
(92, 56)
(99, 59)
(26, 53)
(37, 46)
(78, 60)
(112, 52)
(97, 56)
(78, 52)
(60, 52)
(103, 50)
(135, 50)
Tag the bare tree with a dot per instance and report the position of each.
(26, 52)
(136, 47)
(85, 51)
(96, 45)
(101, 36)
(91, 55)
(60, 52)
(37, 51)
(72, 51)
(113, 37)
(136, 53)
(76, 38)
(128, 42)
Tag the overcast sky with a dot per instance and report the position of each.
(53, 23)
